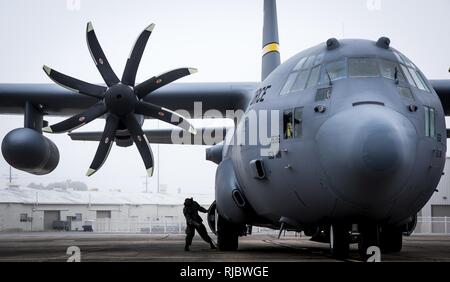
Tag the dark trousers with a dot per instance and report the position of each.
(201, 229)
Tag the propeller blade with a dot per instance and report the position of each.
(74, 84)
(79, 120)
(159, 81)
(108, 137)
(141, 142)
(129, 74)
(99, 57)
(166, 115)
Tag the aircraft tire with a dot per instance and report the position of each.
(369, 237)
(339, 241)
(227, 235)
(391, 239)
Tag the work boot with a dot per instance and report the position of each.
(186, 248)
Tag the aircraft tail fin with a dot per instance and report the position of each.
(271, 54)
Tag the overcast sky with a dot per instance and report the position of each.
(220, 38)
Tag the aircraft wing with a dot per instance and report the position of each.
(204, 136)
(55, 100)
(442, 88)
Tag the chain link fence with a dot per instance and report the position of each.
(425, 226)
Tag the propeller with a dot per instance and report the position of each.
(121, 101)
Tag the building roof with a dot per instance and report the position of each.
(70, 197)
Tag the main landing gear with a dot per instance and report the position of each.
(227, 234)
(387, 238)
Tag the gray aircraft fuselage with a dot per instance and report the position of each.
(371, 148)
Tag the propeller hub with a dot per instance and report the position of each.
(120, 99)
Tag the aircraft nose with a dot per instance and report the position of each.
(367, 154)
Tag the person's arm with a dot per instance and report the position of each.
(200, 208)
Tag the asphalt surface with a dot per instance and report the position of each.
(52, 246)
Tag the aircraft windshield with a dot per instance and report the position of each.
(309, 72)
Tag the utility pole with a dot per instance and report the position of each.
(10, 177)
(146, 183)
(158, 166)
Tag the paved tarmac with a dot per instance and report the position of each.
(52, 246)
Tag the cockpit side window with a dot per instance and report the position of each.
(408, 76)
(423, 79)
(391, 70)
(298, 121)
(288, 124)
(405, 92)
(333, 71)
(292, 123)
(363, 67)
(412, 74)
(314, 77)
(418, 80)
(300, 83)
(289, 83)
(300, 64)
(309, 63)
(304, 75)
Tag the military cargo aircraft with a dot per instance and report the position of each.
(355, 143)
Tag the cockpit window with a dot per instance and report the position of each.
(300, 83)
(408, 76)
(300, 63)
(412, 74)
(399, 58)
(289, 82)
(314, 77)
(418, 80)
(402, 59)
(391, 70)
(333, 71)
(422, 78)
(363, 67)
(405, 92)
(309, 63)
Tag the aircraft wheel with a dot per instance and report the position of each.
(339, 241)
(227, 235)
(369, 237)
(391, 239)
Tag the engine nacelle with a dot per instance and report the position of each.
(27, 150)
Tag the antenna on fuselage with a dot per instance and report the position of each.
(271, 52)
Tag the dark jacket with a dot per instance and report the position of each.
(190, 211)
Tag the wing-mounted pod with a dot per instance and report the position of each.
(27, 149)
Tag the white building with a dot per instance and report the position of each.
(435, 216)
(25, 209)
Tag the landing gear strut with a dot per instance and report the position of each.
(339, 241)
